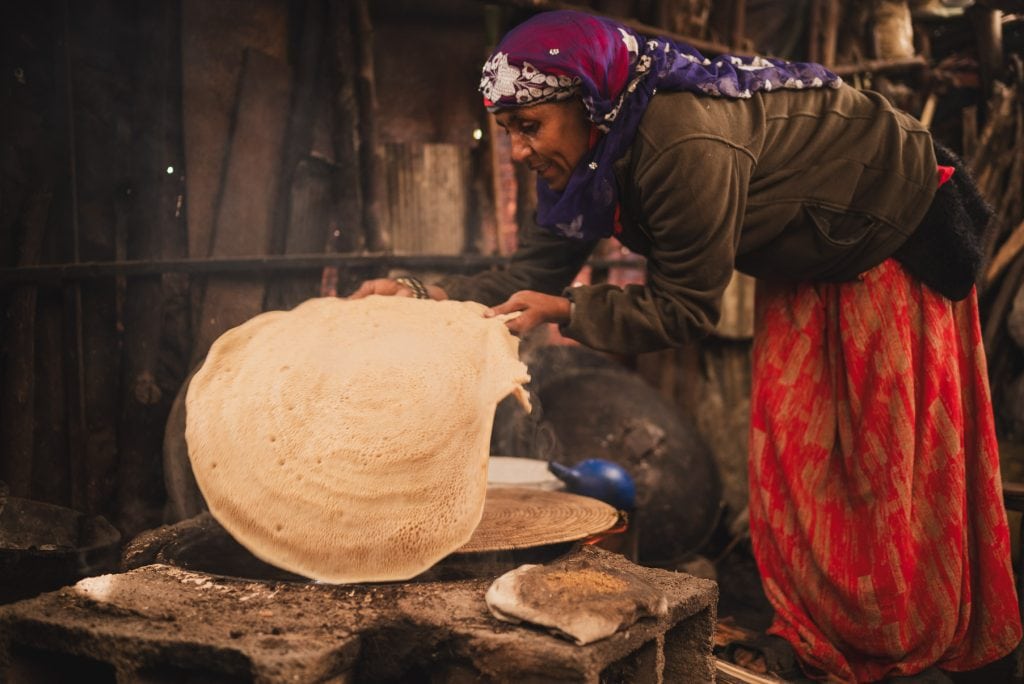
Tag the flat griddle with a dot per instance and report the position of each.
(522, 518)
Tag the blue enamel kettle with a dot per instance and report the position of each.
(600, 479)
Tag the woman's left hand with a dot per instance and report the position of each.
(536, 308)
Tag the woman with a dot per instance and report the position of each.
(875, 503)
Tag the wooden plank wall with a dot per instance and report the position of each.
(248, 196)
(215, 37)
(427, 203)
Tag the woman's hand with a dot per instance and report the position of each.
(392, 288)
(536, 308)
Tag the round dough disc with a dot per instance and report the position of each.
(347, 440)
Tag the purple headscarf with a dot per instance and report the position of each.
(558, 55)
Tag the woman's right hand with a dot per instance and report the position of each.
(392, 288)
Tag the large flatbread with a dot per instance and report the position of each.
(347, 440)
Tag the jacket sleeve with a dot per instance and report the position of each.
(544, 262)
(692, 199)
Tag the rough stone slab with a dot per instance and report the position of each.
(160, 617)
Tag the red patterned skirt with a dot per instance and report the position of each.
(875, 497)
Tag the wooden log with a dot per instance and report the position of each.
(248, 196)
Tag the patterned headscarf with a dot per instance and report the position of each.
(558, 55)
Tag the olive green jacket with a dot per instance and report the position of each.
(817, 185)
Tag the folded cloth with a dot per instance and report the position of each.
(945, 251)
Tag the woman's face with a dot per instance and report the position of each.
(550, 138)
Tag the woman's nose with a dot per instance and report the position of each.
(520, 150)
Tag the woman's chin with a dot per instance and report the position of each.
(555, 185)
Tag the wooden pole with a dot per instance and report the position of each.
(101, 61)
(739, 25)
(74, 361)
(814, 32)
(300, 216)
(366, 88)
(988, 29)
(830, 17)
(347, 226)
(348, 180)
(146, 390)
(299, 133)
(17, 394)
